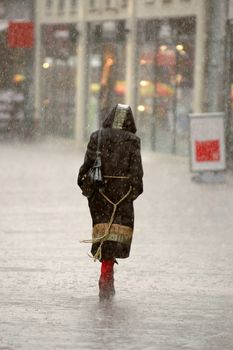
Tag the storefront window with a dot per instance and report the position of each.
(16, 87)
(165, 82)
(49, 4)
(61, 5)
(106, 68)
(58, 89)
(74, 5)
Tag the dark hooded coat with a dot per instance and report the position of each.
(121, 158)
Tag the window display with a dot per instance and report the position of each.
(16, 84)
(106, 68)
(165, 82)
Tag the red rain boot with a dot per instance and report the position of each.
(106, 281)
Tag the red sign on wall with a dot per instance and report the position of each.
(207, 151)
(20, 35)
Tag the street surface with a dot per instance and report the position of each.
(174, 292)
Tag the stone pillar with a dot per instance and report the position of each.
(200, 53)
(215, 65)
(131, 57)
(81, 78)
(37, 103)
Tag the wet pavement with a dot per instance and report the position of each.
(174, 292)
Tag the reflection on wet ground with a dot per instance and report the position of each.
(173, 293)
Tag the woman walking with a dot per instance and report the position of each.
(111, 205)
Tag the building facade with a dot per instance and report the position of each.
(93, 54)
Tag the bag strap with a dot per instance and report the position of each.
(98, 143)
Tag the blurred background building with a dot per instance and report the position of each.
(166, 58)
(149, 54)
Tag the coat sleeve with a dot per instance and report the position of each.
(136, 170)
(89, 159)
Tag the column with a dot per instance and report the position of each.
(37, 115)
(200, 54)
(215, 79)
(81, 79)
(131, 50)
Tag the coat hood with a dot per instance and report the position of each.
(120, 117)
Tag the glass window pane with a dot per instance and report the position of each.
(165, 82)
(107, 70)
(74, 4)
(49, 4)
(61, 5)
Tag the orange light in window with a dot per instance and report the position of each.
(109, 62)
(179, 78)
(18, 78)
(120, 87)
(142, 61)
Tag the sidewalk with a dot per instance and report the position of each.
(176, 290)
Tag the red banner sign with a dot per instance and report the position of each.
(207, 151)
(20, 35)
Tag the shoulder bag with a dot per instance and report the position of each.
(93, 179)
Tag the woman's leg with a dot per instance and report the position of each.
(106, 281)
